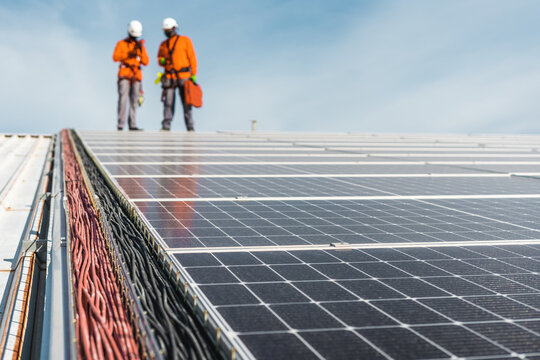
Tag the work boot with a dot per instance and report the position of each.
(119, 128)
(165, 129)
(135, 129)
(190, 129)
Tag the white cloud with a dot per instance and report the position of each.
(412, 66)
(419, 65)
(51, 77)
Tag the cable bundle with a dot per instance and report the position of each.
(175, 330)
(102, 327)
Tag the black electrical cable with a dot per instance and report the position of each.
(174, 326)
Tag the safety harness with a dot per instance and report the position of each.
(133, 68)
(173, 70)
(132, 79)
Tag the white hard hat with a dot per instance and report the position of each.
(169, 23)
(135, 28)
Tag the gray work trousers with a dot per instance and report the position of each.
(128, 90)
(168, 99)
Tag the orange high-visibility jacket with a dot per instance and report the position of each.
(131, 54)
(182, 57)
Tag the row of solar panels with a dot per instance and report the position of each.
(309, 256)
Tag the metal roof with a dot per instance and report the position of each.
(21, 187)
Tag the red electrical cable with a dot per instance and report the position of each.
(102, 326)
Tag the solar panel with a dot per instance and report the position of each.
(510, 168)
(177, 151)
(298, 255)
(317, 222)
(230, 187)
(226, 187)
(160, 169)
(246, 158)
(463, 291)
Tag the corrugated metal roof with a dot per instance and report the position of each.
(23, 158)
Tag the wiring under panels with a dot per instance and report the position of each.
(103, 329)
(176, 331)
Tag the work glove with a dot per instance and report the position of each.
(193, 78)
(132, 54)
(162, 61)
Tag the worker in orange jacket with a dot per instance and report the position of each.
(131, 53)
(177, 57)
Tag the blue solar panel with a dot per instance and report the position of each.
(429, 261)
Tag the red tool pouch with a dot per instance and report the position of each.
(192, 93)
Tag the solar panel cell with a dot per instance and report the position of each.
(414, 287)
(499, 284)
(419, 268)
(340, 345)
(324, 291)
(277, 346)
(380, 270)
(229, 294)
(460, 341)
(306, 316)
(212, 275)
(409, 312)
(506, 307)
(458, 286)
(278, 293)
(251, 319)
(457, 267)
(401, 343)
(297, 272)
(236, 258)
(459, 310)
(255, 273)
(358, 314)
(371, 289)
(339, 271)
(510, 336)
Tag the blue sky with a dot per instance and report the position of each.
(459, 66)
